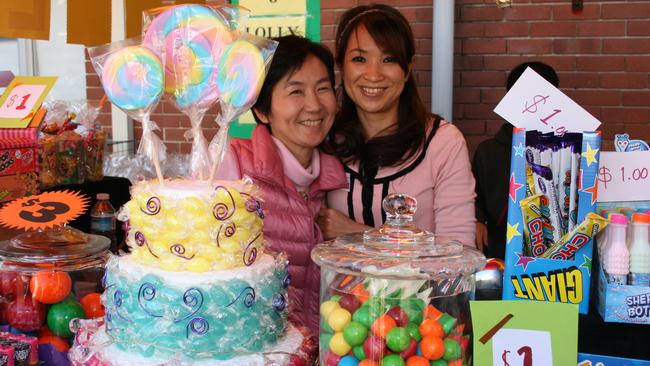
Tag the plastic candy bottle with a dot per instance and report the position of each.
(603, 237)
(616, 257)
(102, 218)
(640, 251)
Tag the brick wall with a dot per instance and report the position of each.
(602, 57)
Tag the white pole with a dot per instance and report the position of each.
(442, 60)
(122, 127)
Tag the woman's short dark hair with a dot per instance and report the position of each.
(290, 55)
(392, 32)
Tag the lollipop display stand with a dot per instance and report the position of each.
(396, 294)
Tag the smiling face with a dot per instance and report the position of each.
(373, 78)
(303, 105)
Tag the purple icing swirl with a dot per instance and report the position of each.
(250, 253)
(286, 281)
(198, 326)
(117, 301)
(253, 205)
(279, 303)
(147, 292)
(228, 232)
(153, 206)
(178, 250)
(222, 211)
(193, 299)
(140, 240)
(249, 297)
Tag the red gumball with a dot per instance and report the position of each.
(374, 348)
(50, 287)
(26, 314)
(296, 360)
(332, 359)
(400, 316)
(58, 343)
(410, 350)
(11, 284)
(350, 303)
(92, 305)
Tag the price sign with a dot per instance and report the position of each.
(520, 347)
(22, 98)
(535, 104)
(624, 176)
(45, 210)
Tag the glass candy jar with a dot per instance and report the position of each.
(394, 293)
(47, 278)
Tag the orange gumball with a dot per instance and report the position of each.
(382, 325)
(57, 342)
(417, 361)
(457, 362)
(431, 312)
(431, 327)
(368, 362)
(92, 305)
(432, 347)
(50, 287)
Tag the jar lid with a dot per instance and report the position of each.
(398, 249)
(64, 248)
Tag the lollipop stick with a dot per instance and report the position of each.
(222, 138)
(156, 164)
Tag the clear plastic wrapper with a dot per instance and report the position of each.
(570, 243)
(543, 180)
(139, 167)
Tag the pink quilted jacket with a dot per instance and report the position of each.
(289, 216)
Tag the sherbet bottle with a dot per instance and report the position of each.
(603, 237)
(616, 256)
(640, 251)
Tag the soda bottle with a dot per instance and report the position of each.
(616, 257)
(640, 251)
(102, 219)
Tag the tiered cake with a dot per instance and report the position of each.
(197, 286)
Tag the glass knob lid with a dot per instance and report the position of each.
(399, 227)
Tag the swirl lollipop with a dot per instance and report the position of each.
(132, 78)
(190, 38)
(242, 69)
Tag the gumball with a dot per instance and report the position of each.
(58, 343)
(360, 293)
(400, 316)
(362, 315)
(358, 352)
(375, 305)
(335, 298)
(452, 350)
(92, 305)
(327, 307)
(439, 362)
(414, 313)
(410, 350)
(11, 283)
(393, 360)
(431, 327)
(448, 322)
(398, 339)
(382, 325)
(324, 340)
(432, 347)
(457, 362)
(430, 312)
(338, 319)
(60, 314)
(331, 359)
(368, 362)
(325, 326)
(350, 303)
(355, 333)
(26, 314)
(348, 361)
(374, 348)
(296, 360)
(49, 286)
(414, 331)
(338, 345)
(417, 361)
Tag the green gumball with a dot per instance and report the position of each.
(393, 360)
(362, 316)
(398, 339)
(355, 333)
(359, 353)
(439, 362)
(324, 340)
(60, 314)
(414, 331)
(335, 298)
(452, 350)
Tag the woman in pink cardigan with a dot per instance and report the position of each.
(387, 139)
(294, 112)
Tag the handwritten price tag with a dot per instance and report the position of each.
(535, 104)
(624, 176)
(21, 100)
(521, 347)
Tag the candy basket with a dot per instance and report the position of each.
(396, 293)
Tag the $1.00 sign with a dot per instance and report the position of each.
(535, 104)
(22, 99)
(624, 176)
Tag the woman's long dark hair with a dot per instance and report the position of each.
(391, 31)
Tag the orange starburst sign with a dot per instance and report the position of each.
(45, 210)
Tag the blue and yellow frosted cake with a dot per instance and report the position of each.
(197, 284)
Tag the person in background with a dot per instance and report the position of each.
(294, 112)
(387, 139)
(491, 169)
